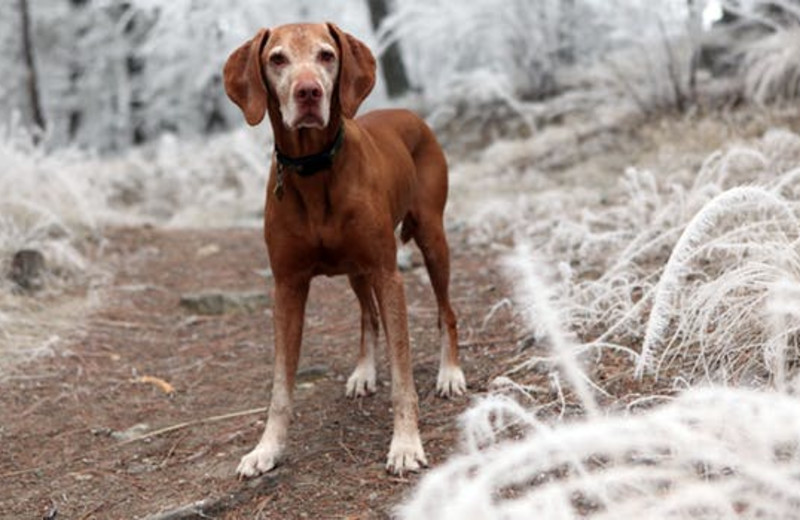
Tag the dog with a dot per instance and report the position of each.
(339, 187)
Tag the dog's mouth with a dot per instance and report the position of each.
(310, 120)
(308, 116)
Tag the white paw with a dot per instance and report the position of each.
(405, 455)
(262, 459)
(450, 381)
(362, 381)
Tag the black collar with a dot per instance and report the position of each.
(310, 164)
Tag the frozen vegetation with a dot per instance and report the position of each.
(693, 280)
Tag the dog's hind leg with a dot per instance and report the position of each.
(362, 381)
(430, 237)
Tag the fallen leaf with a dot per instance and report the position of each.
(160, 383)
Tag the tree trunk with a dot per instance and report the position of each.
(32, 79)
(394, 70)
(566, 32)
(695, 35)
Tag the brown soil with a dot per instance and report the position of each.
(60, 416)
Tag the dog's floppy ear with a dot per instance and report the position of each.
(356, 71)
(244, 78)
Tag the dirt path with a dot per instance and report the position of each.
(64, 421)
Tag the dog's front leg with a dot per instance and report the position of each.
(288, 314)
(405, 452)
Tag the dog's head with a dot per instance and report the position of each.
(310, 72)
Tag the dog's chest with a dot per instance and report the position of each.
(326, 243)
(340, 245)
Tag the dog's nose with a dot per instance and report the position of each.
(306, 91)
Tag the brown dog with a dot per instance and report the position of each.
(338, 188)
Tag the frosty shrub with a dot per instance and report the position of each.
(48, 204)
(480, 64)
(486, 67)
(681, 266)
(216, 182)
(59, 202)
(685, 273)
(765, 41)
(703, 270)
(709, 454)
(746, 238)
(771, 67)
(47, 207)
(651, 53)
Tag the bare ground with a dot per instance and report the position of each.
(64, 418)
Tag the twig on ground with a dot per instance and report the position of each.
(187, 424)
(148, 435)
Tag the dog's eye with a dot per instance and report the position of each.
(278, 59)
(326, 56)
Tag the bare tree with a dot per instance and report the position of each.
(394, 70)
(695, 35)
(32, 79)
(566, 32)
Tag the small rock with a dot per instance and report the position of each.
(527, 342)
(404, 260)
(27, 269)
(222, 302)
(455, 226)
(312, 373)
(266, 273)
(208, 250)
(137, 430)
(51, 513)
(102, 431)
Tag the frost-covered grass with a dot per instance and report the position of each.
(59, 203)
(214, 182)
(764, 42)
(47, 204)
(711, 453)
(771, 67)
(686, 276)
(679, 265)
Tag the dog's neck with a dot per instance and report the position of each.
(308, 165)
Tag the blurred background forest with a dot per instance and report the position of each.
(109, 74)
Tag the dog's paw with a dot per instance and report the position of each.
(261, 460)
(405, 455)
(450, 382)
(361, 382)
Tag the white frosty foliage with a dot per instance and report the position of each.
(535, 300)
(702, 269)
(680, 261)
(768, 256)
(218, 182)
(47, 203)
(771, 68)
(765, 41)
(56, 201)
(712, 453)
